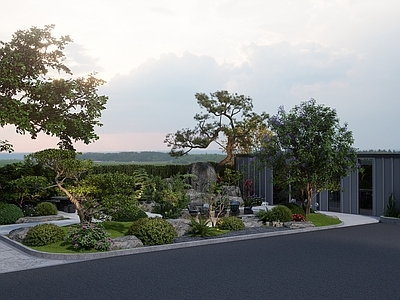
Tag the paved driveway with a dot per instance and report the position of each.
(359, 262)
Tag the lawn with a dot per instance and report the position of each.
(116, 229)
(322, 220)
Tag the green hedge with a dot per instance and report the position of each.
(164, 171)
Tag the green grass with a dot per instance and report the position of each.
(319, 219)
(115, 229)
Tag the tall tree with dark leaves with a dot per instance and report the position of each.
(34, 101)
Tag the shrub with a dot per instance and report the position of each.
(391, 210)
(89, 236)
(153, 231)
(43, 234)
(200, 228)
(230, 223)
(130, 215)
(46, 209)
(278, 213)
(295, 209)
(169, 195)
(298, 218)
(29, 210)
(9, 213)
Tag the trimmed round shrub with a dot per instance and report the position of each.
(46, 209)
(153, 231)
(230, 223)
(278, 213)
(43, 234)
(295, 209)
(9, 213)
(132, 214)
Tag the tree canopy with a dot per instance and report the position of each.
(33, 100)
(65, 167)
(228, 121)
(309, 149)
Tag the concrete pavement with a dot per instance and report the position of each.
(16, 257)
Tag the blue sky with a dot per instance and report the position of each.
(155, 55)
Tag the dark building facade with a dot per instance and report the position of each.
(364, 192)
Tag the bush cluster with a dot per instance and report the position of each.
(278, 213)
(298, 218)
(89, 236)
(153, 231)
(230, 223)
(46, 209)
(295, 209)
(43, 234)
(132, 214)
(9, 213)
(200, 228)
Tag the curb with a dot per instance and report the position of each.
(113, 253)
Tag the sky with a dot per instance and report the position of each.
(157, 54)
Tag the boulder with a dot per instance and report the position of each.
(298, 224)
(251, 221)
(39, 219)
(126, 242)
(204, 174)
(18, 234)
(232, 191)
(181, 225)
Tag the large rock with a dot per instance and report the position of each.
(181, 225)
(18, 234)
(204, 175)
(231, 191)
(251, 221)
(126, 242)
(39, 219)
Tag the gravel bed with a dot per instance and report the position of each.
(246, 231)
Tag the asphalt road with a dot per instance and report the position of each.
(360, 262)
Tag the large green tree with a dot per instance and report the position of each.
(309, 149)
(67, 172)
(228, 121)
(34, 101)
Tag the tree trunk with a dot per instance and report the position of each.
(229, 154)
(75, 201)
(309, 191)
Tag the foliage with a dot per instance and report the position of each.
(201, 228)
(230, 223)
(221, 118)
(29, 188)
(29, 210)
(66, 168)
(89, 235)
(165, 171)
(229, 177)
(298, 218)
(132, 214)
(279, 213)
(248, 194)
(169, 195)
(113, 195)
(9, 213)
(153, 231)
(391, 210)
(46, 209)
(43, 234)
(34, 100)
(294, 208)
(309, 150)
(150, 157)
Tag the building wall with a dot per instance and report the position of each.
(385, 180)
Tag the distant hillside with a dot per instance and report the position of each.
(149, 157)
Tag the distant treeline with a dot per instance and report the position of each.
(150, 157)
